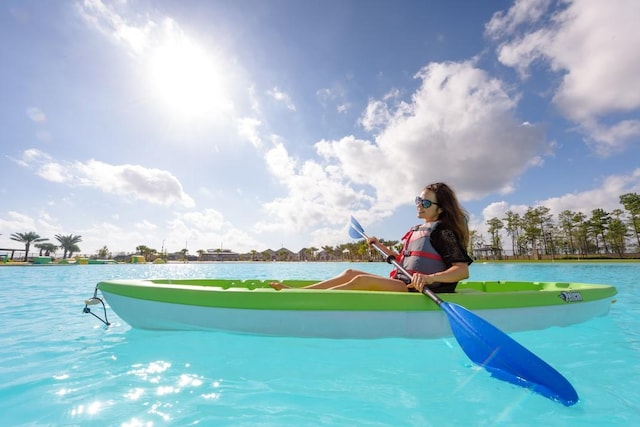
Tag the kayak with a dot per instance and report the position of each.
(253, 307)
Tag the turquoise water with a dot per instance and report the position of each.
(61, 367)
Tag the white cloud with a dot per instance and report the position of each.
(18, 222)
(249, 128)
(522, 12)
(108, 20)
(281, 97)
(594, 46)
(130, 181)
(342, 108)
(459, 122)
(148, 184)
(54, 172)
(317, 193)
(33, 154)
(146, 225)
(608, 138)
(605, 195)
(202, 230)
(14, 222)
(117, 239)
(334, 96)
(377, 114)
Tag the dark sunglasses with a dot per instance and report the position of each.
(424, 202)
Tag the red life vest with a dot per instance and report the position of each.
(418, 254)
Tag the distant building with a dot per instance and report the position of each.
(284, 254)
(219, 255)
(488, 252)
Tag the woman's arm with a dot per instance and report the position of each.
(457, 272)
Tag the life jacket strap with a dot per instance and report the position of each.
(423, 255)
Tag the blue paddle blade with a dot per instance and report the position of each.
(504, 358)
(355, 229)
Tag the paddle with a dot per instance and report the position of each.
(491, 348)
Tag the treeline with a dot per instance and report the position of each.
(355, 251)
(352, 251)
(537, 233)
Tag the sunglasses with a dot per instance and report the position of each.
(424, 202)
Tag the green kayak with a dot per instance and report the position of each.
(253, 307)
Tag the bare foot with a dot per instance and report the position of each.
(277, 286)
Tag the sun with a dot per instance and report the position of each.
(189, 81)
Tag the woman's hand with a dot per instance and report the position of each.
(419, 281)
(373, 240)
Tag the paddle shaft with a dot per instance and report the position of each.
(392, 260)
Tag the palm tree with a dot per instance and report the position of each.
(72, 249)
(69, 244)
(104, 253)
(27, 239)
(147, 252)
(48, 248)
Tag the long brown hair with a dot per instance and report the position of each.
(452, 215)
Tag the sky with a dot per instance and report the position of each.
(262, 124)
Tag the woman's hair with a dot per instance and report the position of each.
(453, 216)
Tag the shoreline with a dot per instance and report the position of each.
(479, 261)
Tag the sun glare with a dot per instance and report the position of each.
(189, 81)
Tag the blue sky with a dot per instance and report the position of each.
(254, 124)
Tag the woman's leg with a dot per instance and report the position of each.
(338, 280)
(372, 282)
(355, 280)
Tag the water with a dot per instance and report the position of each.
(61, 367)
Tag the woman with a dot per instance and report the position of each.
(434, 252)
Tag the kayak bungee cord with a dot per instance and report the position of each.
(95, 300)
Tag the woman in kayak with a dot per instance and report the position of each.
(433, 252)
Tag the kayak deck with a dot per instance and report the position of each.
(257, 294)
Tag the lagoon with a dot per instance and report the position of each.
(61, 367)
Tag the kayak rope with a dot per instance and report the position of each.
(94, 300)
